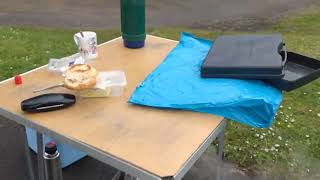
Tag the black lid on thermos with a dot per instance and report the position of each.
(51, 148)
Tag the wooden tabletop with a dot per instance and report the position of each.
(158, 141)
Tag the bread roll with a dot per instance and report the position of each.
(80, 76)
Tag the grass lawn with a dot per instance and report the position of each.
(290, 149)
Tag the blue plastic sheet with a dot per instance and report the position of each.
(176, 83)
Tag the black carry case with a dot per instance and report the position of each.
(245, 57)
(299, 70)
(262, 57)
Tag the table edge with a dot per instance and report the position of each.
(201, 149)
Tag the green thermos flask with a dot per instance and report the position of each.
(133, 23)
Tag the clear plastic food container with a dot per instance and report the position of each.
(109, 84)
(115, 82)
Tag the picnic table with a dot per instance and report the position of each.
(147, 143)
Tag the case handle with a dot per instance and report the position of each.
(284, 54)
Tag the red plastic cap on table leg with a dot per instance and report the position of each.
(18, 79)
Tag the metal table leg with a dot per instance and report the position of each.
(28, 156)
(220, 146)
(220, 154)
(40, 156)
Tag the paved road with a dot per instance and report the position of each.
(105, 13)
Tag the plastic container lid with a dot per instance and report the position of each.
(113, 81)
(113, 78)
(18, 79)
